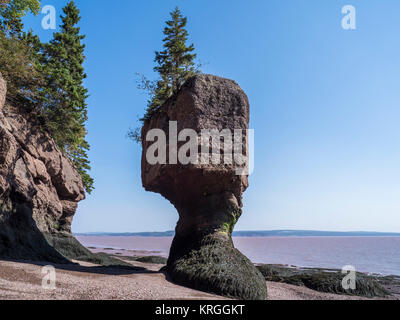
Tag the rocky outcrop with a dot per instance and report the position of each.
(330, 280)
(39, 190)
(207, 196)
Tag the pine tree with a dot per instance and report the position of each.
(11, 12)
(64, 95)
(175, 64)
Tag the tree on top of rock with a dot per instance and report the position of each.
(175, 64)
(64, 95)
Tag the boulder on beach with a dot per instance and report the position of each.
(207, 195)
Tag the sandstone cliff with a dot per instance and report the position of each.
(207, 196)
(39, 191)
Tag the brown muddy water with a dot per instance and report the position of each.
(367, 254)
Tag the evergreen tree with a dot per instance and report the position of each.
(16, 52)
(64, 96)
(36, 49)
(48, 78)
(11, 12)
(175, 64)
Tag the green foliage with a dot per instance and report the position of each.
(64, 95)
(48, 78)
(16, 51)
(174, 65)
(11, 12)
(233, 217)
(16, 65)
(135, 135)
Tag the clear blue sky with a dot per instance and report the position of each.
(325, 107)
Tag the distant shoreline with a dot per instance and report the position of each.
(254, 234)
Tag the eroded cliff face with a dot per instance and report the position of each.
(207, 196)
(39, 189)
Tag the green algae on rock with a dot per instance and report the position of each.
(323, 280)
(211, 263)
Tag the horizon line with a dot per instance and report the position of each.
(246, 231)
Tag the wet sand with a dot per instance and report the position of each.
(89, 282)
(86, 281)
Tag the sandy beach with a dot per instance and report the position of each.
(84, 281)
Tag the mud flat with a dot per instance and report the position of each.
(140, 281)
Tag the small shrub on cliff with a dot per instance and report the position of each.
(23, 79)
(16, 52)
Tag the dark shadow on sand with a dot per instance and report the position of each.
(102, 270)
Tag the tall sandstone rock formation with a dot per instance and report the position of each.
(39, 191)
(208, 197)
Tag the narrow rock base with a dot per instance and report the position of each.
(213, 265)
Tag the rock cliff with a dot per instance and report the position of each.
(207, 196)
(39, 191)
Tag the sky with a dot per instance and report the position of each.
(325, 108)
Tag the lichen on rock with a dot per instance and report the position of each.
(207, 196)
